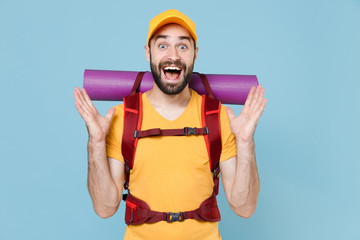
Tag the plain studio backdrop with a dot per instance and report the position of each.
(306, 54)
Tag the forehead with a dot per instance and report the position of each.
(172, 31)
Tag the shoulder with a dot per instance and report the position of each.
(223, 111)
(196, 96)
(117, 118)
(224, 118)
(119, 107)
(119, 110)
(198, 100)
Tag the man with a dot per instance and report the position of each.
(171, 174)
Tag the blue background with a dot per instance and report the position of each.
(305, 53)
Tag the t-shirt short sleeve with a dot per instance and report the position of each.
(114, 137)
(227, 137)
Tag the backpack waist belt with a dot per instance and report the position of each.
(138, 212)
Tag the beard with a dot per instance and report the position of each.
(171, 88)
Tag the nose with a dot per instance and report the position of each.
(173, 54)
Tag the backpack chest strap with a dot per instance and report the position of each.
(186, 131)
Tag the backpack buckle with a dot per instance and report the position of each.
(216, 172)
(172, 217)
(189, 131)
(136, 134)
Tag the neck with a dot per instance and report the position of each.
(169, 106)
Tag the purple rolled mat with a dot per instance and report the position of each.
(115, 85)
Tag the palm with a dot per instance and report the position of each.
(243, 126)
(97, 125)
(95, 122)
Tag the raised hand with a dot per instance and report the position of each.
(244, 125)
(97, 125)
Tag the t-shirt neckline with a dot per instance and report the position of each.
(180, 116)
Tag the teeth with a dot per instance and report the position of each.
(172, 68)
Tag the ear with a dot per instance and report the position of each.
(195, 53)
(147, 53)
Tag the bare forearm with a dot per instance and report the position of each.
(242, 185)
(102, 189)
(245, 188)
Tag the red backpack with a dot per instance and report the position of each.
(138, 211)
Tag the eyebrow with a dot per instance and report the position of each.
(167, 36)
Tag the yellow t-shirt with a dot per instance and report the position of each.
(171, 173)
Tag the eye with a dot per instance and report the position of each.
(183, 47)
(162, 46)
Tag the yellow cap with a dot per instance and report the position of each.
(171, 16)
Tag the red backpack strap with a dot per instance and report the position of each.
(132, 123)
(211, 119)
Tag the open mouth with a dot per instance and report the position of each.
(172, 72)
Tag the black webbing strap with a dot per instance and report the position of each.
(206, 85)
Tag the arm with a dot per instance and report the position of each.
(105, 175)
(239, 174)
